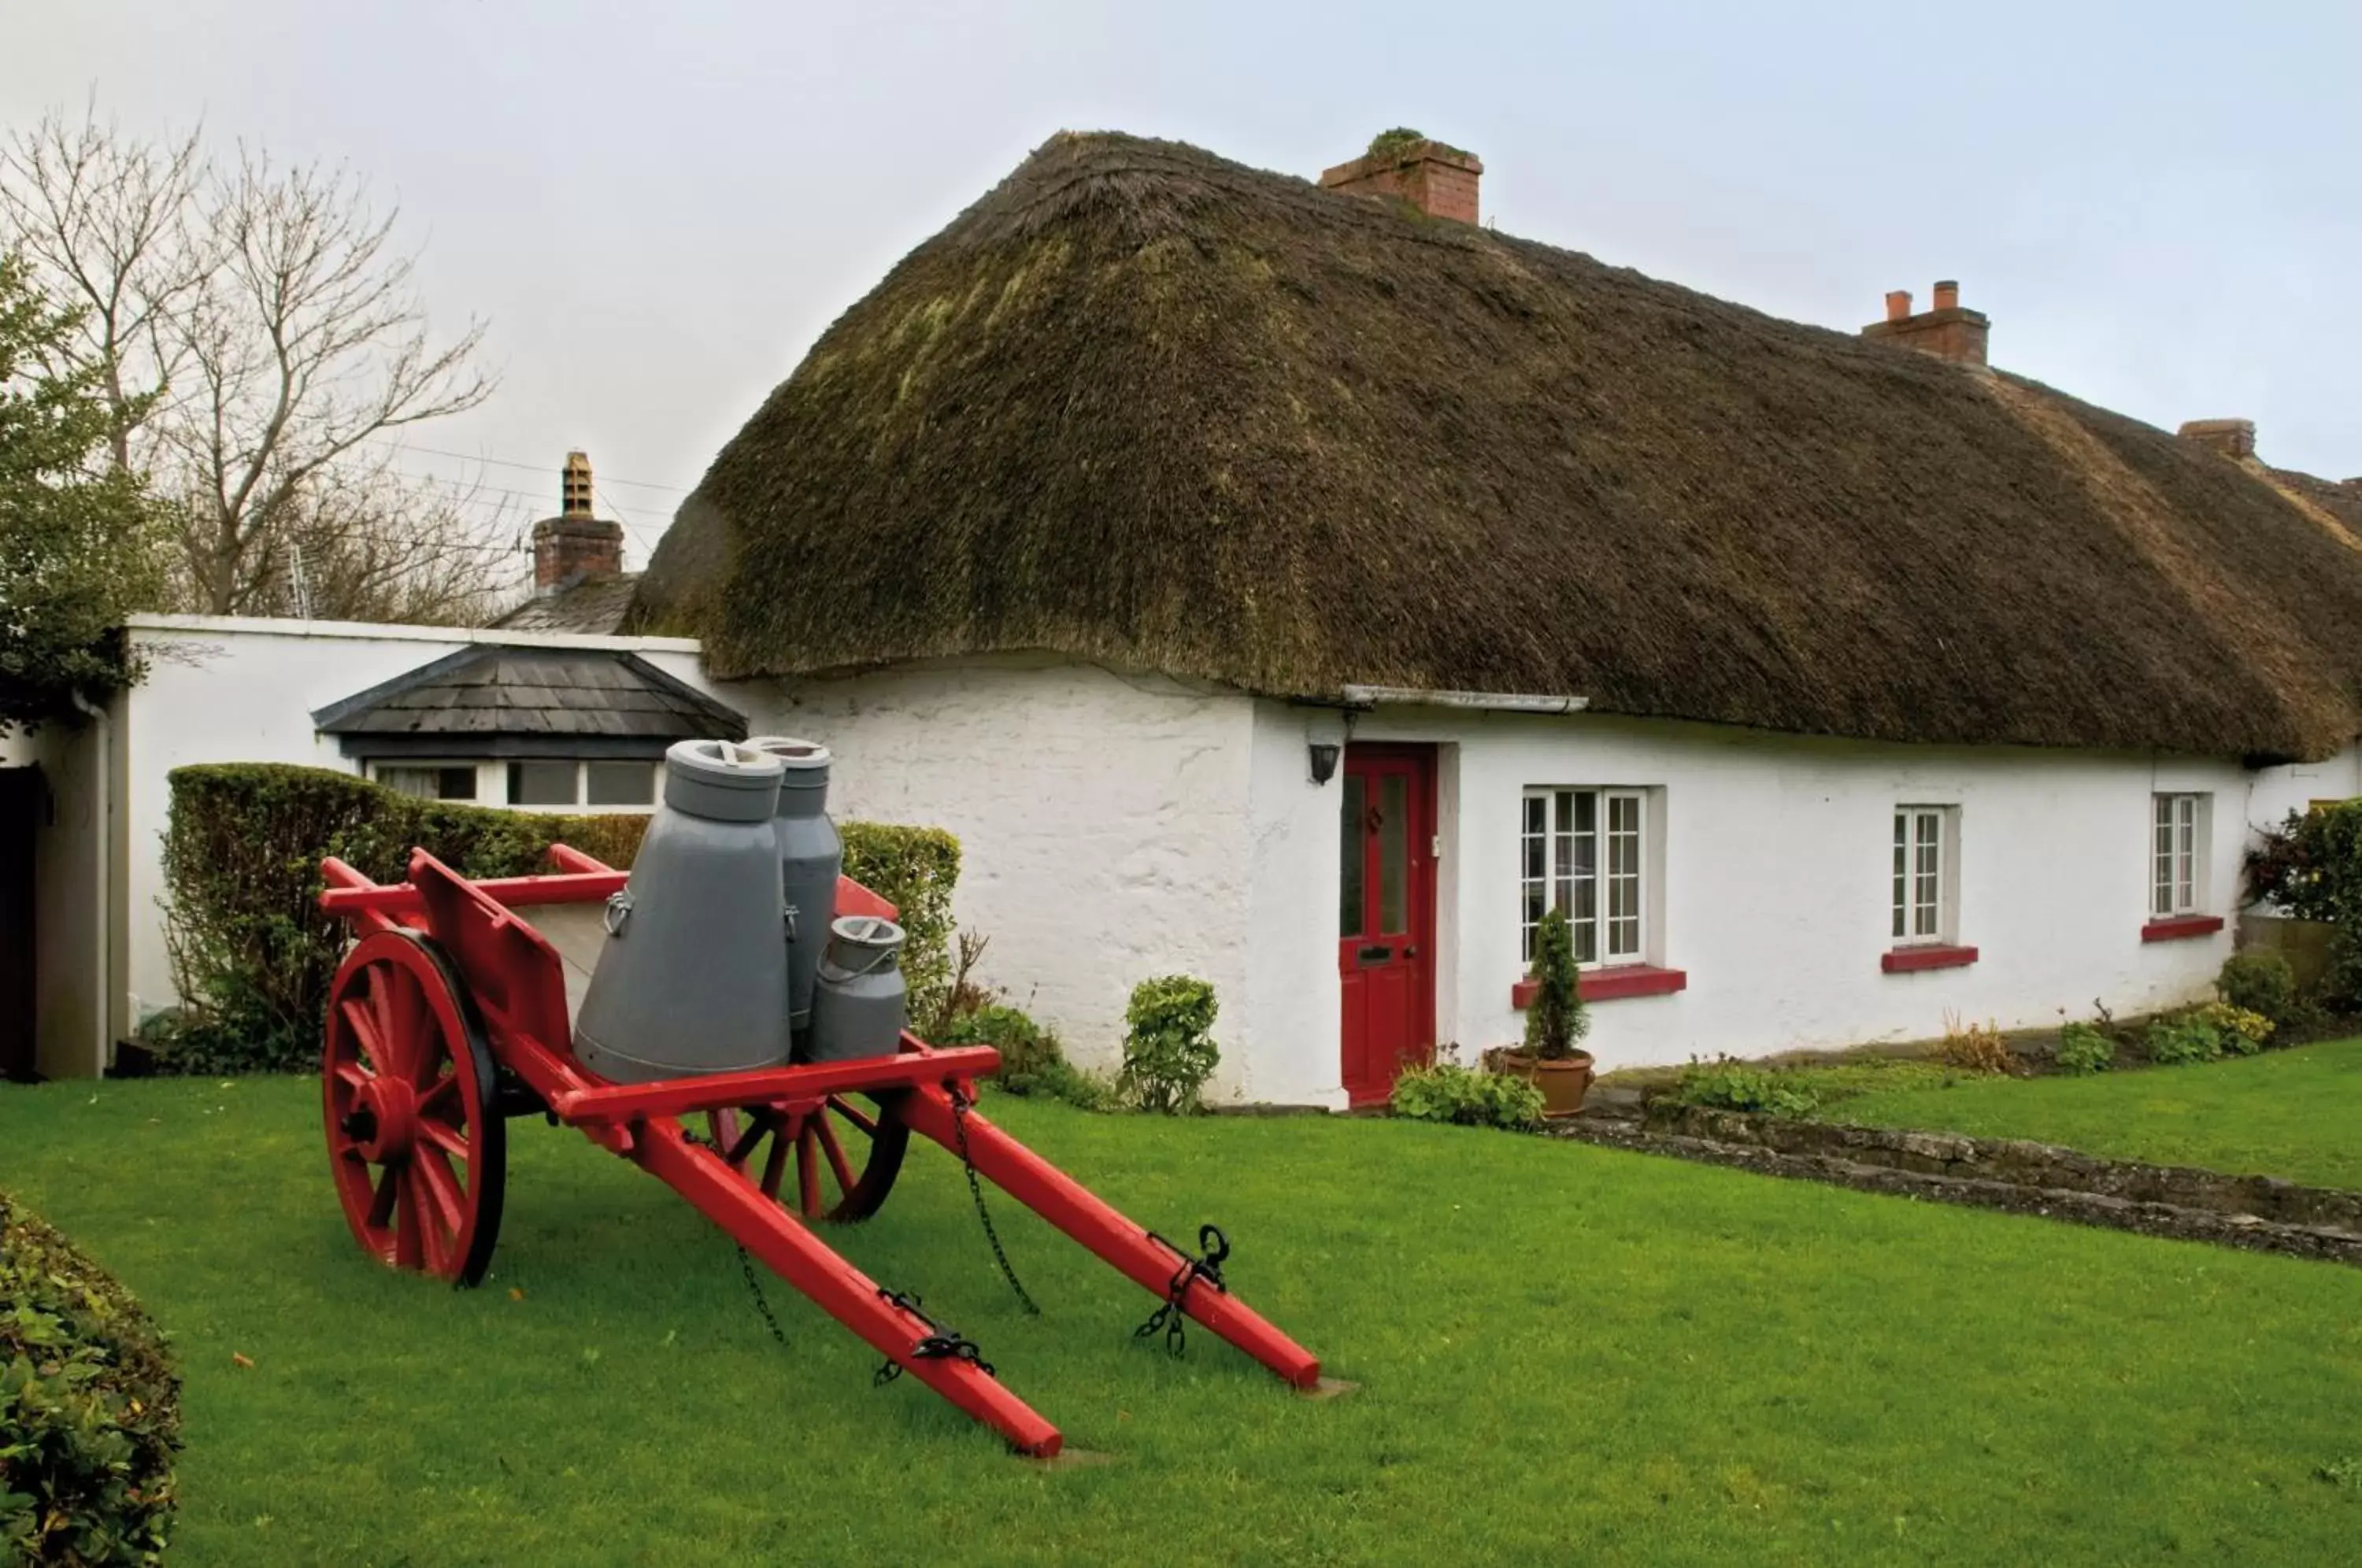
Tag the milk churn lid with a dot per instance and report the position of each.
(793, 754)
(866, 931)
(721, 780)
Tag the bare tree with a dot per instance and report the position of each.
(365, 542)
(107, 223)
(258, 327)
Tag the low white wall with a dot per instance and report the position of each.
(226, 688)
(1774, 893)
(1102, 820)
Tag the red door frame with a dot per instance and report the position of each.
(1367, 1082)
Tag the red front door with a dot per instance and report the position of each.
(1385, 947)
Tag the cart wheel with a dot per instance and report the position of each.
(823, 1142)
(418, 1151)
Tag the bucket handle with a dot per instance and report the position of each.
(619, 912)
(881, 958)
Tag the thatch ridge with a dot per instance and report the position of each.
(1142, 405)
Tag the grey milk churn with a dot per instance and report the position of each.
(811, 855)
(858, 998)
(694, 975)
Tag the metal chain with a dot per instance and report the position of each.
(938, 1345)
(975, 1190)
(1171, 1318)
(762, 1302)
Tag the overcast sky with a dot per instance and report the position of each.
(659, 207)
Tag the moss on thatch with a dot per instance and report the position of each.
(1144, 405)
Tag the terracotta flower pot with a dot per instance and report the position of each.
(1564, 1082)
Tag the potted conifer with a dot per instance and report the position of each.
(1555, 1020)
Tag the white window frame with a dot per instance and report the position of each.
(1616, 931)
(1923, 875)
(2177, 852)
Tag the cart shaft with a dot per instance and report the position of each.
(1064, 1202)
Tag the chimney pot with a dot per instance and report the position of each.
(575, 545)
(1437, 180)
(1947, 295)
(2234, 438)
(1898, 303)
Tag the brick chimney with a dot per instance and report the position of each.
(2234, 438)
(1439, 181)
(1947, 331)
(574, 547)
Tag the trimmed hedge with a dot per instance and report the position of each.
(90, 1409)
(253, 955)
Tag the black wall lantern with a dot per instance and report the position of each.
(1324, 762)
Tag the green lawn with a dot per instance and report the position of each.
(2295, 1113)
(1567, 1354)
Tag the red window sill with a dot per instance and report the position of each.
(2181, 928)
(1608, 984)
(1935, 955)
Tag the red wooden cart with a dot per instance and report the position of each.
(450, 1015)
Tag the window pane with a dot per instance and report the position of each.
(456, 783)
(422, 783)
(619, 783)
(1901, 873)
(541, 783)
(1394, 854)
(1348, 860)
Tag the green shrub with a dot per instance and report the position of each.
(2183, 1038)
(2082, 1049)
(253, 955)
(1032, 1060)
(1556, 1018)
(1728, 1085)
(89, 1408)
(1168, 1050)
(2259, 981)
(1446, 1093)
(2311, 867)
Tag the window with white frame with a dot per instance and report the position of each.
(1926, 847)
(427, 780)
(1582, 854)
(2178, 830)
(570, 783)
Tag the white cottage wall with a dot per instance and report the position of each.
(222, 688)
(1102, 820)
(1769, 883)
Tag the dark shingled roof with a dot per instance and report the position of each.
(494, 690)
(1145, 406)
(596, 604)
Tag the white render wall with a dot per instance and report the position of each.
(224, 689)
(1773, 884)
(1103, 821)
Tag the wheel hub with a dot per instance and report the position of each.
(383, 1123)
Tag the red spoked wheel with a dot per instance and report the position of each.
(419, 1153)
(846, 1157)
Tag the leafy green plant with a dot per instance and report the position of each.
(1168, 1049)
(2182, 1038)
(2240, 1031)
(2259, 981)
(1728, 1085)
(1556, 1019)
(2082, 1049)
(1032, 1060)
(89, 1408)
(253, 955)
(1466, 1097)
(2311, 867)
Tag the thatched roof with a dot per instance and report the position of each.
(1144, 405)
